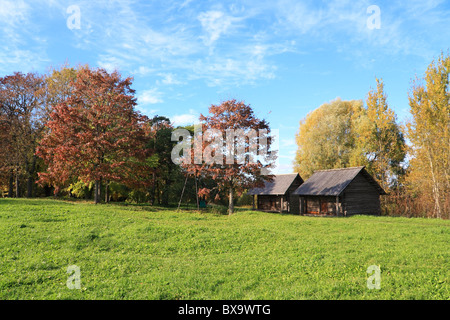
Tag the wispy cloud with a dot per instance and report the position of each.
(151, 96)
(183, 44)
(344, 23)
(21, 49)
(221, 44)
(216, 23)
(186, 118)
(169, 79)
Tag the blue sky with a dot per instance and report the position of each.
(284, 58)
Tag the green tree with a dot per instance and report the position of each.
(166, 172)
(326, 137)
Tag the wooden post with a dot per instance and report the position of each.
(337, 206)
(281, 205)
(253, 202)
(182, 192)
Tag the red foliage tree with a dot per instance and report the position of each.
(96, 135)
(230, 149)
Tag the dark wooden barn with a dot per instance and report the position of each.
(340, 192)
(276, 196)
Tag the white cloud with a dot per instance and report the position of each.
(185, 119)
(139, 40)
(220, 71)
(215, 24)
(109, 63)
(14, 13)
(147, 112)
(151, 96)
(21, 49)
(297, 15)
(143, 71)
(220, 44)
(169, 79)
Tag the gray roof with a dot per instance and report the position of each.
(279, 185)
(333, 182)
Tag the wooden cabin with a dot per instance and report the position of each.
(277, 195)
(340, 192)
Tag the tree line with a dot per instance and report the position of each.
(76, 132)
(411, 161)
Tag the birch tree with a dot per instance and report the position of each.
(429, 133)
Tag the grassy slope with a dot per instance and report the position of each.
(139, 253)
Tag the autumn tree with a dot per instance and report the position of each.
(429, 133)
(326, 137)
(228, 147)
(58, 86)
(95, 135)
(379, 143)
(6, 146)
(20, 101)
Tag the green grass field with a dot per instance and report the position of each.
(142, 252)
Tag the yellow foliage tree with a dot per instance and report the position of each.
(326, 138)
(343, 134)
(429, 133)
(380, 144)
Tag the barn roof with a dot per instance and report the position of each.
(279, 185)
(333, 182)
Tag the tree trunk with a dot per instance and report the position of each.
(158, 193)
(97, 191)
(153, 190)
(231, 202)
(30, 182)
(165, 195)
(11, 185)
(107, 192)
(168, 182)
(88, 194)
(196, 193)
(30, 187)
(17, 186)
(435, 186)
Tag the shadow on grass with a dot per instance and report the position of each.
(32, 201)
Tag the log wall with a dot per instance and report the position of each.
(361, 197)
